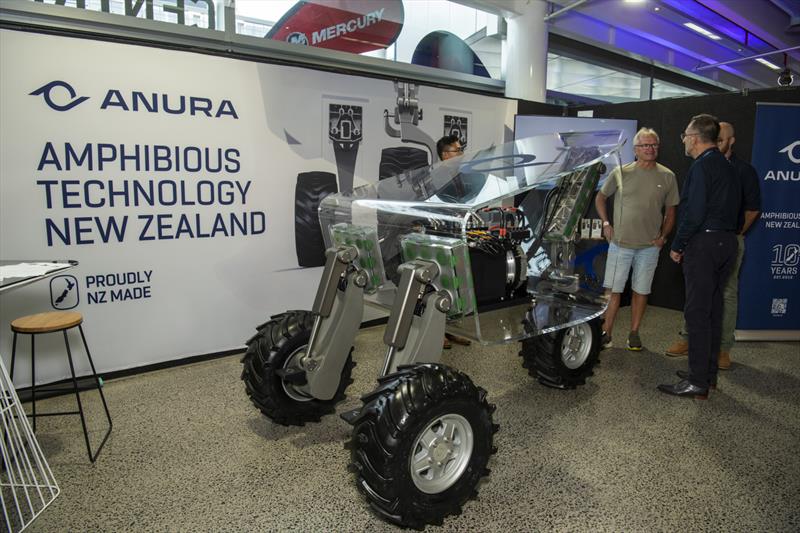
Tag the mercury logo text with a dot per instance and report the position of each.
(56, 92)
(343, 28)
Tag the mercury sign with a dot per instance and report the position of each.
(355, 27)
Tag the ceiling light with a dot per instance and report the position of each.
(763, 61)
(702, 31)
(656, 8)
(634, 1)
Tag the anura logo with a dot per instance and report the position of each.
(791, 150)
(64, 292)
(53, 93)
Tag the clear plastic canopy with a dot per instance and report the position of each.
(512, 211)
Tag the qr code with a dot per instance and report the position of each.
(779, 306)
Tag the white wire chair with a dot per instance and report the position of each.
(27, 485)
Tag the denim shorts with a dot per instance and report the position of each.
(618, 266)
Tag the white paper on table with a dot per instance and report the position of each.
(25, 270)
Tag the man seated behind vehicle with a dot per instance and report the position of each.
(464, 186)
(448, 147)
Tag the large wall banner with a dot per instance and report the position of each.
(769, 290)
(187, 185)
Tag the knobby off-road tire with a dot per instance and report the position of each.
(404, 466)
(278, 345)
(565, 358)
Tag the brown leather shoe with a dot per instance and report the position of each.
(678, 349)
(455, 339)
(724, 361)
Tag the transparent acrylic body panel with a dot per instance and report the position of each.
(503, 223)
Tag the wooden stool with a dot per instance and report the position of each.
(50, 323)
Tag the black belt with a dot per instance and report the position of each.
(719, 231)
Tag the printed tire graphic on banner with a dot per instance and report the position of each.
(399, 159)
(455, 125)
(395, 161)
(345, 131)
(311, 188)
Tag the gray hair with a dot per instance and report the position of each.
(646, 131)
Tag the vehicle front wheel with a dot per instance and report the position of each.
(421, 443)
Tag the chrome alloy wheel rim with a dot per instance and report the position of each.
(576, 345)
(441, 453)
(292, 364)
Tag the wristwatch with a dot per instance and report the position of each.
(344, 130)
(606, 223)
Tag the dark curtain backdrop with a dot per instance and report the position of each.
(669, 117)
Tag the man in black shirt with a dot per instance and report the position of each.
(705, 243)
(751, 208)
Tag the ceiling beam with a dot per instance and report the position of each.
(651, 35)
(763, 19)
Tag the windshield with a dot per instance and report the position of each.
(478, 178)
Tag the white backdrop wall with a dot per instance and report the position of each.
(187, 279)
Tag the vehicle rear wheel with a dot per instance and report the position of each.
(565, 358)
(272, 355)
(421, 443)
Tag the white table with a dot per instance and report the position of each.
(27, 485)
(16, 274)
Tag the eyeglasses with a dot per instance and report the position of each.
(684, 135)
(646, 146)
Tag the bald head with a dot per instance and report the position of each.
(726, 138)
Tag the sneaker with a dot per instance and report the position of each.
(605, 341)
(678, 349)
(634, 342)
(724, 361)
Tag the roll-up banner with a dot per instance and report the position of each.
(769, 282)
(187, 186)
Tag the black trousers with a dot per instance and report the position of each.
(707, 262)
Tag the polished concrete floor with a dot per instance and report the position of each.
(190, 453)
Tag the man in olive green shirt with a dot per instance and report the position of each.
(645, 196)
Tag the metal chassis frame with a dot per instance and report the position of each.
(338, 307)
(415, 331)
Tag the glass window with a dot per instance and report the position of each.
(572, 76)
(257, 17)
(436, 33)
(199, 13)
(662, 89)
(323, 24)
